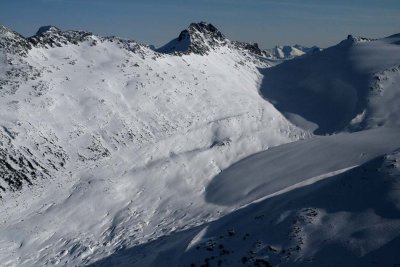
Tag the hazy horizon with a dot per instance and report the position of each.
(266, 22)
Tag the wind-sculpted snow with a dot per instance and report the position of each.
(279, 168)
(340, 87)
(350, 218)
(95, 95)
(111, 151)
(113, 143)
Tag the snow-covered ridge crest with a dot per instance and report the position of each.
(120, 147)
(85, 123)
(52, 36)
(12, 42)
(53, 63)
(199, 38)
(352, 85)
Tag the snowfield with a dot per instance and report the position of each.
(201, 152)
(353, 86)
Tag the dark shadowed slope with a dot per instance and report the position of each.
(351, 219)
(332, 90)
(290, 165)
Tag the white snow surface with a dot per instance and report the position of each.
(291, 51)
(134, 139)
(280, 166)
(347, 217)
(139, 158)
(332, 87)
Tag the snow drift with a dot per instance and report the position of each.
(112, 153)
(353, 85)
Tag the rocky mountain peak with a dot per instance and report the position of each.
(207, 29)
(204, 37)
(252, 48)
(12, 42)
(54, 37)
(47, 30)
(198, 38)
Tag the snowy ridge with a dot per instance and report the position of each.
(352, 213)
(133, 124)
(112, 153)
(12, 42)
(340, 87)
(49, 78)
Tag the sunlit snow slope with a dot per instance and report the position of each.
(106, 144)
(329, 201)
(115, 154)
(324, 201)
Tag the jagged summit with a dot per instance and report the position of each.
(357, 39)
(112, 157)
(13, 42)
(198, 38)
(47, 29)
(252, 48)
(53, 36)
(208, 31)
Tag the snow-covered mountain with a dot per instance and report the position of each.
(353, 85)
(291, 51)
(113, 153)
(107, 131)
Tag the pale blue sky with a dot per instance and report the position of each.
(267, 22)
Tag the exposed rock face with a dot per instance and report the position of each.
(204, 36)
(12, 42)
(200, 38)
(252, 48)
(54, 37)
(38, 74)
(17, 165)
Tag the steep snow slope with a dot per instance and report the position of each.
(118, 142)
(325, 201)
(352, 85)
(350, 219)
(279, 168)
(347, 217)
(112, 153)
